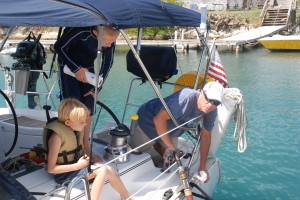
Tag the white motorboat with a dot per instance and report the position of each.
(21, 154)
(7, 49)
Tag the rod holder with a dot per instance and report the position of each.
(134, 119)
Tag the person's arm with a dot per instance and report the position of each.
(107, 63)
(64, 43)
(54, 144)
(160, 122)
(204, 149)
(86, 145)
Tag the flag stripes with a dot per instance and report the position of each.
(216, 70)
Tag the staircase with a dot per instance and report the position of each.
(277, 12)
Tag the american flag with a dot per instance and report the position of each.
(216, 70)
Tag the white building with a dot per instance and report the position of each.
(211, 4)
(219, 4)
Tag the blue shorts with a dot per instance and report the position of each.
(70, 87)
(68, 176)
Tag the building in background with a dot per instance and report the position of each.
(222, 4)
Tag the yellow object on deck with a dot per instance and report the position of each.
(188, 80)
(32, 155)
(134, 117)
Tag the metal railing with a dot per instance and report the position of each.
(74, 181)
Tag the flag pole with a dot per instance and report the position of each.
(203, 33)
(212, 49)
(211, 54)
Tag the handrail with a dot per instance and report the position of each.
(73, 182)
(292, 7)
(264, 12)
(288, 15)
(294, 4)
(48, 93)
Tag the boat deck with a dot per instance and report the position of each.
(138, 164)
(23, 121)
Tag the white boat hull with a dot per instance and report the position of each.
(142, 178)
(8, 51)
(138, 172)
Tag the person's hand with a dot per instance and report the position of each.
(80, 75)
(91, 93)
(169, 155)
(83, 161)
(207, 174)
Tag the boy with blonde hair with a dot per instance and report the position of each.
(63, 139)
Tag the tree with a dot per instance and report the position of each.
(157, 32)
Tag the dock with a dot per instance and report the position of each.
(238, 41)
(249, 37)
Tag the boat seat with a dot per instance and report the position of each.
(160, 62)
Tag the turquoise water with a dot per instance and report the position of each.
(269, 169)
(270, 82)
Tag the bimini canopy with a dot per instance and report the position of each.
(45, 13)
(124, 14)
(121, 14)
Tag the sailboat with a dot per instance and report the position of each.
(22, 165)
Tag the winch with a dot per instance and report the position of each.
(118, 144)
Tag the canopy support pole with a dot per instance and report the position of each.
(137, 57)
(6, 37)
(97, 66)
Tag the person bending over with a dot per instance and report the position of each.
(77, 49)
(185, 104)
(63, 140)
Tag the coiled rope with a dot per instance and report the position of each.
(240, 117)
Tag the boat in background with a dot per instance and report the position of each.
(8, 49)
(281, 42)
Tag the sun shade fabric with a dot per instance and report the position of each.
(121, 14)
(124, 14)
(44, 13)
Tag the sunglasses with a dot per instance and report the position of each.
(215, 102)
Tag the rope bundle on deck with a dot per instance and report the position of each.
(240, 117)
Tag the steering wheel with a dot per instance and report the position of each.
(15, 122)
